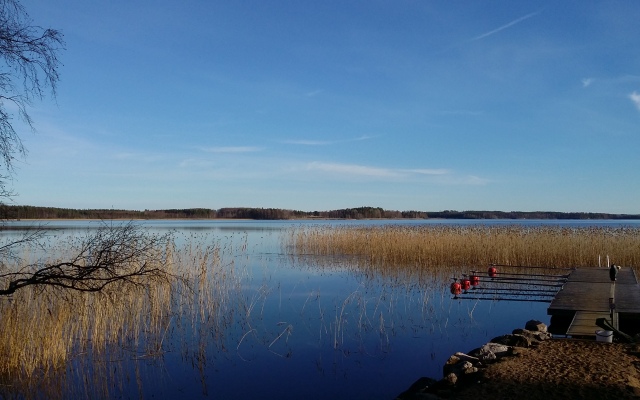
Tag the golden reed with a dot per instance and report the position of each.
(427, 249)
(43, 328)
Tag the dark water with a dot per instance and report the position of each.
(312, 331)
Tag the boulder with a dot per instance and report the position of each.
(466, 357)
(451, 379)
(513, 340)
(462, 369)
(535, 326)
(491, 352)
(461, 364)
(533, 336)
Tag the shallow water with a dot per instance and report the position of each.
(311, 329)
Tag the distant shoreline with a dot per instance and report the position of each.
(11, 212)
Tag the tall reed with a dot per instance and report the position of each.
(43, 328)
(427, 249)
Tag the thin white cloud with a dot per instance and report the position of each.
(363, 137)
(306, 142)
(635, 98)
(503, 27)
(586, 82)
(232, 149)
(439, 176)
(429, 171)
(352, 169)
(346, 170)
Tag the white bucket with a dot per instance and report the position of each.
(604, 336)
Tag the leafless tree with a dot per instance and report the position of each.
(28, 70)
(117, 252)
(113, 253)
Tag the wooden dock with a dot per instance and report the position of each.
(589, 294)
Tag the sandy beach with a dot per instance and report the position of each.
(562, 369)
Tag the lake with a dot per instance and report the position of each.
(310, 327)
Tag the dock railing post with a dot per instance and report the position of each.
(612, 304)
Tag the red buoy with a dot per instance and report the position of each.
(493, 271)
(475, 280)
(466, 284)
(456, 288)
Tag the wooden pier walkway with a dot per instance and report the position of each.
(589, 294)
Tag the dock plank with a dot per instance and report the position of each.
(586, 296)
(584, 323)
(581, 297)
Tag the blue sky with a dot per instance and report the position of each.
(318, 105)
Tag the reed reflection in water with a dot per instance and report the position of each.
(270, 311)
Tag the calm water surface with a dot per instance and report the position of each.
(314, 330)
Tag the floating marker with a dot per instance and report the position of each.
(456, 288)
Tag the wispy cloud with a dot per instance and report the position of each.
(503, 27)
(586, 82)
(429, 171)
(306, 142)
(635, 98)
(352, 169)
(232, 149)
(439, 176)
(364, 137)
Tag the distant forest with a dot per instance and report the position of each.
(31, 212)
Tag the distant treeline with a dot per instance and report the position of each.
(32, 212)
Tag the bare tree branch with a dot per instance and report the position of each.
(28, 67)
(122, 253)
(114, 253)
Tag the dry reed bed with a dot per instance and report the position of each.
(42, 328)
(427, 250)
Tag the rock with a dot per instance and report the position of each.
(451, 365)
(491, 352)
(456, 367)
(451, 379)
(533, 336)
(458, 362)
(513, 340)
(466, 368)
(453, 360)
(462, 369)
(535, 326)
(500, 350)
(466, 357)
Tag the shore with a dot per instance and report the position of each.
(558, 369)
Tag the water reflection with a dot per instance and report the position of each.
(288, 326)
